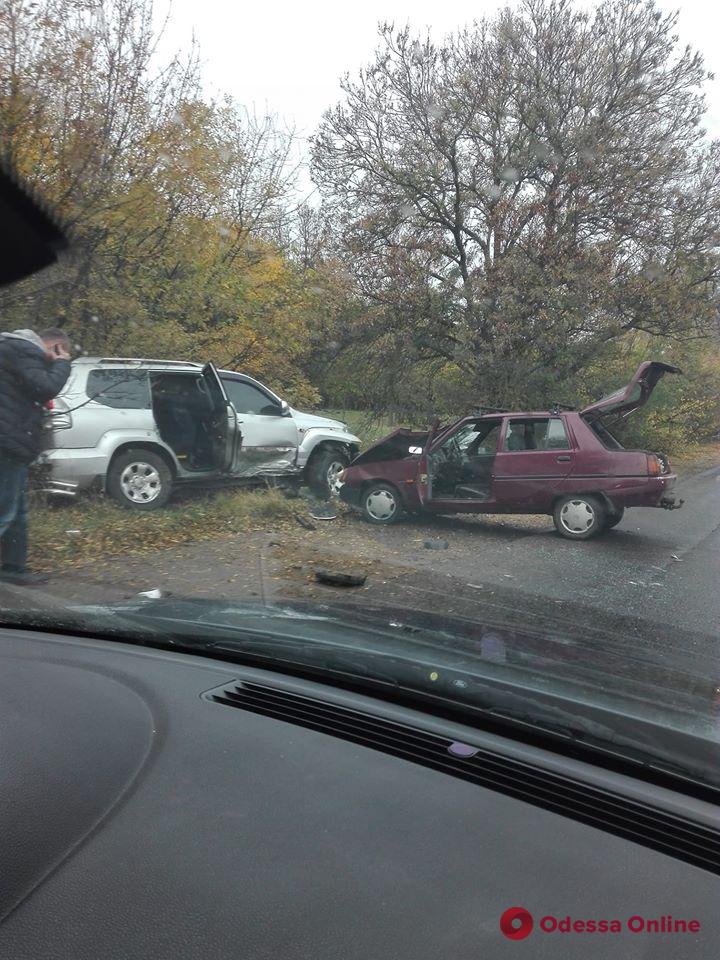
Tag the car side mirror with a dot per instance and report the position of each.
(284, 408)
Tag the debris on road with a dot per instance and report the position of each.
(155, 594)
(436, 544)
(340, 579)
(307, 524)
(676, 557)
(323, 511)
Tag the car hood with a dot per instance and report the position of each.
(395, 446)
(307, 421)
(634, 394)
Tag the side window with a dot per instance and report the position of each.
(125, 389)
(248, 399)
(556, 437)
(474, 440)
(488, 440)
(546, 433)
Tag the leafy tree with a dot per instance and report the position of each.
(176, 204)
(532, 189)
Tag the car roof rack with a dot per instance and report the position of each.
(149, 363)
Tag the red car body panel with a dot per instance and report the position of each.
(525, 480)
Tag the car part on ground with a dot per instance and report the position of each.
(332, 579)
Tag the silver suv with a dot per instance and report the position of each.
(139, 427)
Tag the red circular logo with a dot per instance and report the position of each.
(516, 923)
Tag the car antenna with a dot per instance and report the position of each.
(557, 407)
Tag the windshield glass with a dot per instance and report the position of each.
(221, 408)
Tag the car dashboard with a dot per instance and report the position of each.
(157, 804)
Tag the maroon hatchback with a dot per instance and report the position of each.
(562, 462)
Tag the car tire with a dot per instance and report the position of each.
(613, 518)
(323, 472)
(579, 516)
(139, 480)
(381, 503)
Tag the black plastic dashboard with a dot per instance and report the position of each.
(141, 817)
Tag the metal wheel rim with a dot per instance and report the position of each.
(140, 482)
(577, 516)
(380, 504)
(333, 477)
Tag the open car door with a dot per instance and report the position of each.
(226, 439)
(633, 395)
(423, 484)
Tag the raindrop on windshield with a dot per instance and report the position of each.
(510, 174)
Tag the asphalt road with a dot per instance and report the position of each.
(657, 574)
(662, 566)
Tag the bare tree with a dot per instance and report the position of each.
(528, 190)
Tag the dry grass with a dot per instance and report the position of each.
(96, 528)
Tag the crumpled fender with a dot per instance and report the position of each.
(314, 436)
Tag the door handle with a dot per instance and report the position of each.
(563, 459)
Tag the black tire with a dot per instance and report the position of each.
(323, 465)
(153, 488)
(381, 503)
(614, 518)
(579, 516)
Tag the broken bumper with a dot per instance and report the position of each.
(60, 488)
(350, 495)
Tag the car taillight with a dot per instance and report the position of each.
(59, 416)
(653, 465)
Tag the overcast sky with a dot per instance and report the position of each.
(287, 57)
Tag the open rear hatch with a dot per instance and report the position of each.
(633, 395)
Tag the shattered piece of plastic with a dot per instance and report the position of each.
(436, 544)
(676, 557)
(307, 524)
(323, 511)
(340, 579)
(151, 594)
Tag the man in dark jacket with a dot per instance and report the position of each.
(33, 370)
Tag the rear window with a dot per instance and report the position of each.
(604, 435)
(126, 389)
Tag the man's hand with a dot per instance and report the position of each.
(60, 353)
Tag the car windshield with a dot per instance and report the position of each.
(311, 376)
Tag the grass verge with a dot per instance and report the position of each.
(95, 528)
